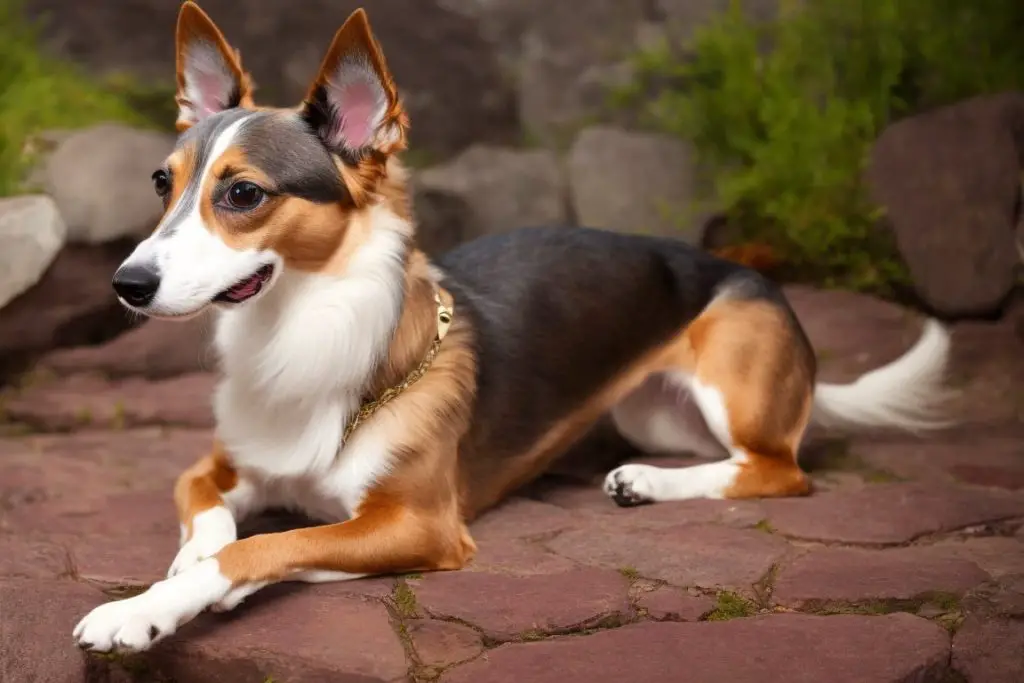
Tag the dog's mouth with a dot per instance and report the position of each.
(245, 289)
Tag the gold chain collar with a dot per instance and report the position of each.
(445, 312)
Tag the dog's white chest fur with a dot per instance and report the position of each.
(295, 365)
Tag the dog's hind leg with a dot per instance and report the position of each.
(661, 416)
(751, 375)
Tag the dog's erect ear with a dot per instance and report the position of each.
(353, 104)
(210, 74)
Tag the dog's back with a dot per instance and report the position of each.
(558, 313)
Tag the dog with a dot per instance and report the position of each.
(397, 398)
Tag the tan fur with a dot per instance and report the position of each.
(200, 487)
(748, 351)
(414, 518)
(411, 521)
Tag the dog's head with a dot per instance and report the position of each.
(251, 191)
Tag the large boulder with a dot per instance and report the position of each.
(570, 59)
(154, 350)
(71, 305)
(100, 179)
(950, 180)
(635, 182)
(492, 189)
(448, 75)
(31, 234)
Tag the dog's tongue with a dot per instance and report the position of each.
(245, 289)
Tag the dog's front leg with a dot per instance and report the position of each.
(211, 498)
(385, 537)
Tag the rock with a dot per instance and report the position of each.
(71, 305)
(502, 188)
(449, 77)
(100, 179)
(518, 516)
(440, 643)
(31, 234)
(950, 182)
(990, 651)
(113, 558)
(852, 333)
(154, 350)
(990, 459)
(23, 558)
(568, 61)
(987, 360)
(633, 182)
(848, 575)
(509, 607)
(287, 633)
(889, 513)
(443, 220)
(88, 400)
(705, 556)
(671, 604)
(591, 505)
(517, 558)
(998, 555)
(112, 483)
(35, 631)
(846, 649)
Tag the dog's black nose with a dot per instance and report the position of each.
(136, 284)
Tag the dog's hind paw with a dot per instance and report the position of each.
(629, 485)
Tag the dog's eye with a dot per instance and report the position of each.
(161, 183)
(244, 195)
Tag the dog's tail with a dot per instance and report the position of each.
(908, 393)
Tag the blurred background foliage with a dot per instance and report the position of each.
(40, 93)
(782, 114)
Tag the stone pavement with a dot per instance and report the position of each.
(906, 564)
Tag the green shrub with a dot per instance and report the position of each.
(38, 93)
(783, 114)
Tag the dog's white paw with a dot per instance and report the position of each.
(195, 550)
(131, 625)
(212, 530)
(135, 624)
(235, 597)
(630, 485)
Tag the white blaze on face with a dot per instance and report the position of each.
(194, 264)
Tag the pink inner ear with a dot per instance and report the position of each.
(211, 93)
(358, 108)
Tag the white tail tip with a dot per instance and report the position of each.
(909, 393)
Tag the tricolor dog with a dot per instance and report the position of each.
(397, 399)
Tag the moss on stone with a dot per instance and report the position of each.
(630, 573)
(532, 635)
(881, 477)
(940, 603)
(118, 420)
(134, 665)
(765, 526)
(404, 600)
(125, 591)
(83, 416)
(731, 605)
